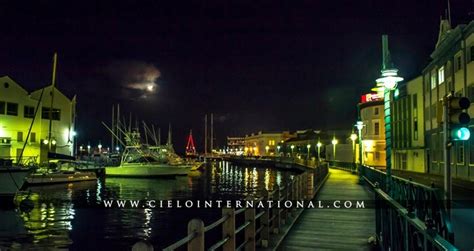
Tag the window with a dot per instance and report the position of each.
(376, 128)
(29, 112)
(403, 160)
(56, 113)
(2, 107)
(19, 136)
(441, 75)
(12, 109)
(376, 111)
(377, 155)
(33, 137)
(433, 81)
(415, 128)
(461, 153)
(458, 63)
(471, 53)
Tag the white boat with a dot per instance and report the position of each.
(12, 179)
(140, 162)
(60, 171)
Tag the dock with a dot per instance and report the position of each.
(335, 228)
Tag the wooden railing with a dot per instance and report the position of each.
(259, 224)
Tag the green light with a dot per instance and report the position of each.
(462, 133)
(396, 93)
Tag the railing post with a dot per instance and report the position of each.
(265, 222)
(228, 229)
(197, 243)
(283, 212)
(276, 211)
(250, 229)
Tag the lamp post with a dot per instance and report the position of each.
(359, 125)
(319, 144)
(278, 149)
(334, 143)
(292, 147)
(100, 147)
(308, 146)
(387, 82)
(266, 149)
(353, 138)
(88, 149)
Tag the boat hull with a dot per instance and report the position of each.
(53, 178)
(11, 180)
(146, 171)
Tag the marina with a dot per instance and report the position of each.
(68, 215)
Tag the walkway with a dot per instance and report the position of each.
(334, 229)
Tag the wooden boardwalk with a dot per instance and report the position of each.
(331, 228)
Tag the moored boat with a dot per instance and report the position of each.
(59, 171)
(12, 178)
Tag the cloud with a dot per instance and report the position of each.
(136, 75)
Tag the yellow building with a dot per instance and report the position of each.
(17, 111)
(408, 127)
(451, 70)
(373, 133)
(264, 143)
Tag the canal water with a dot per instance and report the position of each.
(72, 216)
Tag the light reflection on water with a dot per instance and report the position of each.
(71, 215)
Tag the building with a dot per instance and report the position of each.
(265, 143)
(408, 144)
(373, 133)
(17, 112)
(235, 145)
(451, 70)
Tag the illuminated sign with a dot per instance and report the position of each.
(369, 97)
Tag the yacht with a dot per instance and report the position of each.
(12, 177)
(60, 171)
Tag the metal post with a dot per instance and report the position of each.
(388, 140)
(447, 155)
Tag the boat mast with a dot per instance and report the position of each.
(112, 145)
(205, 135)
(53, 86)
(212, 132)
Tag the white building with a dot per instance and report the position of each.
(17, 111)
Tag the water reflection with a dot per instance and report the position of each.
(72, 215)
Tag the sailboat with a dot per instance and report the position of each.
(57, 171)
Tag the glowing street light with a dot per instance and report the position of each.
(278, 149)
(334, 143)
(387, 82)
(117, 149)
(292, 147)
(359, 126)
(308, 146)
(266, 149)
(353, 138)
(319, 144)
(100, 147)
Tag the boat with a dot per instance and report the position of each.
(142, 162)
(12, 177)
(59, 171)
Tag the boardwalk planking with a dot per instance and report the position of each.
(334, 229)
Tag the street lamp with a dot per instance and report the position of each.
(278, 149)
(319, 144)
(292, 147)
(266, 149)
(88, 148)
(387, 82)
(100, 147)
(334, 143)
(308, 146)
(359, 125)
(353, 138)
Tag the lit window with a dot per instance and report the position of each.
(433, 81)
(441, 75)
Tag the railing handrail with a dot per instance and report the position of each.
(434, 238)
(297, 188)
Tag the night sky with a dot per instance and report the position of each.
(257, 65)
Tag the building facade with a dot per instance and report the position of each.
(235, 145)
(408, 147)
(373, 132)
(18, 109)
(450, 71)
(265, 143)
